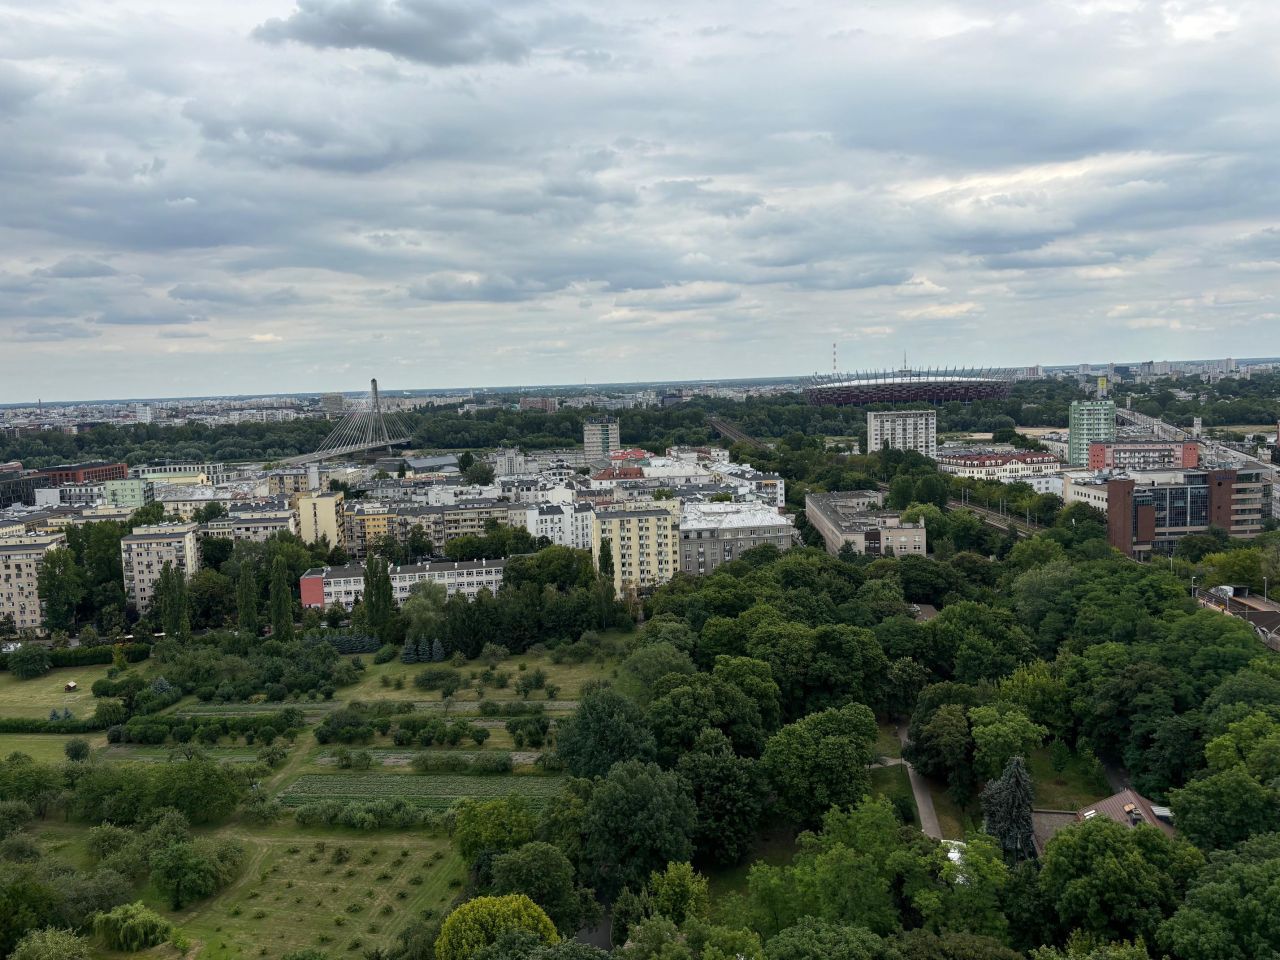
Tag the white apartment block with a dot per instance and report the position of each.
(254, 522)
(566, 526)
(903, 430)
(145, 552)
(770, 487)
(716, 533)
(20, 560)
(322, 587)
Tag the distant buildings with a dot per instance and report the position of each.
(255, 521)
(716, 533)
(20, 560)
(18, 485)
(146, 550)
(600, 437)
(543, 404)
(852, 519)
(903, 430)
(1150, 511)
(322, 587)
(93, 471)
(1091, 421)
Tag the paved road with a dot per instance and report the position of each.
(924, 799)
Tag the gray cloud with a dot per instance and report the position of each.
(443, 34)
(158, 317)
(77, 268)
(52, 331)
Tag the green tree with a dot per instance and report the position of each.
(188, 871)
(1232, 909)
(172, 604)
(379, 598)
(247, 600)
(497, 825)
(423, 612)
(281, 601)
(29, 661)
(605, 729)
(820, 761)
(1114, 881)
(814, 939)
(679, 893)
(76, 749)
(1006, 805)
(1000, 732)
(61, 587)
(545, 875)
(728, 792)
(1224, 808)
(51, 944)
(132, 927)
(480, 922)
(638, 819)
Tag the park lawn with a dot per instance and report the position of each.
(45, 747)
(892, 783)
(291, 896)
(952, 820)
(1075, 787)
(887, 742)
(568, 677)
(35, 698)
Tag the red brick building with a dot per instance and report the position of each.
(94, 471)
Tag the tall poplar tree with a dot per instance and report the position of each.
(247, 600)
(281, 601)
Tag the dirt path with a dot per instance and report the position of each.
(924, 799)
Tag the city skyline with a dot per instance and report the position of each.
(289, 197)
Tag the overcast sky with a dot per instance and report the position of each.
(276, 195)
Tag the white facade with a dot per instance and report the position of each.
(20, 560)
(565, 526)
(903, 430)
(145, 552)
(600, 437)
(325, 586)
(768, 486)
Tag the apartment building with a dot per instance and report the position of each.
(768, 486)
(364, 522)
(147, 549)
(255, 521)
(320, 517)
(903, 430)
(291, 481)
(21, 557)
(18, 486)
(566, 525)
(644, 542)
(1040, 470)
(600, 437)
(130, 492)
(183, 500)
(1148, 512)
(1091, 421)
(183, 473)
(1144, 455)
(322, 587)
(716, 533)
(843, 519)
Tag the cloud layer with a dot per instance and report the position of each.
(299, 195)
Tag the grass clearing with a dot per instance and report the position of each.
(35, 698)
(952, 820)
(894, 784)
(291, 895)
(433, 791)
(1078, 785)
(887, 742)
(45, 747)
(775, 845)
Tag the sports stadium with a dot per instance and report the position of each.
(909, 386)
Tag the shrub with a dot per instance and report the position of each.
(132, 927)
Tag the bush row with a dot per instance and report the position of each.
(84, 656)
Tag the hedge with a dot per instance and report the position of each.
(37, 725)
(84, 656)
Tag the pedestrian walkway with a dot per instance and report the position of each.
(924, 799)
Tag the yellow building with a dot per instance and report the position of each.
(320, 515)
(146, 550)
(644, 541)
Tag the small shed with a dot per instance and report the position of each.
(71, 686)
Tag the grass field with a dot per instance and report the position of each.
(1075, 787)
(291, 895)
(35, 698)
(894, 784)
(434, 791)
(953, 821)
(567, 677)
(775, 845)
(45, 747)
(887, 742)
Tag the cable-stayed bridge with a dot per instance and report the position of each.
(364, 429)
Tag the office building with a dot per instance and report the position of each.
(80, 474)
(541, 404)
(130, 492)
(142, 412)
(183, 473)
(18, 486)
(1148, 512)
(1092, 421)
(903, 430)
(145, 552)
(320, 518)
(716, 533)
(322, 587)
(333, 405)
(21, 557)
(851, 519)
(643, 541)
(1144, 455)
(600, 437)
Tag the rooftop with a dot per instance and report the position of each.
(723, 516)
